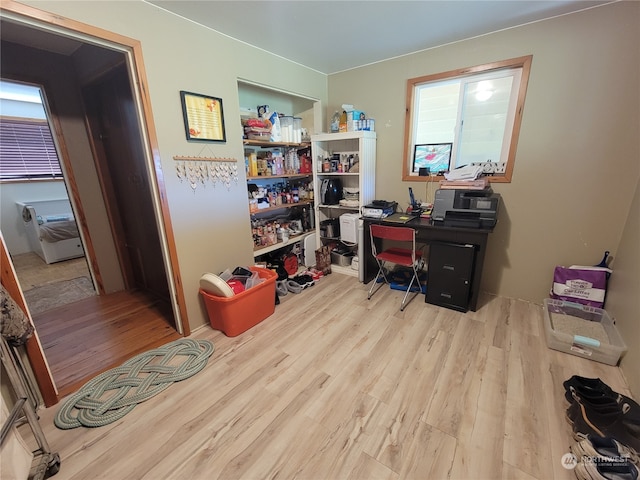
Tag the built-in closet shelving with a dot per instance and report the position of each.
(281, 210)
(251, 96)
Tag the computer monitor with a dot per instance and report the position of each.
(436, 157)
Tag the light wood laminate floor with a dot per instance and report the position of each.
(333, 386)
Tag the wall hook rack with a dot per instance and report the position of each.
(201, 170)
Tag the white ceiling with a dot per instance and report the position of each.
(331, 36)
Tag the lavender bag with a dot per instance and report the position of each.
(586, 286)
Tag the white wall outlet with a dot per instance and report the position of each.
(500, 167)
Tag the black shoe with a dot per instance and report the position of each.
(597, 394)
(304, 280)
(588, 386)
(606, 422)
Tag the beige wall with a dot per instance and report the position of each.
(211, 225)
(577, 163)
(578, 155)
(623, 301)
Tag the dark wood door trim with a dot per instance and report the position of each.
(159, 181)
(72, 190)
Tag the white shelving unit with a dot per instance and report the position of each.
(363, 145)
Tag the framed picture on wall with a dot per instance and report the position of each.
(203, 117)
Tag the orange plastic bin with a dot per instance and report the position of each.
(237, 314)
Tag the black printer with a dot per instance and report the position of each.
(379, 209)
(465, 208)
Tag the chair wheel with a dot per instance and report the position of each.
(53, 467)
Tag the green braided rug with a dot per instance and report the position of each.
(114, 393)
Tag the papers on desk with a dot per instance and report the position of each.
(479, 184)
(400, 217)
(469, 172)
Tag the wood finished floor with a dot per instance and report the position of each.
(87, 337)
(333, 386)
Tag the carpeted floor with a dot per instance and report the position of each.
(59, 293)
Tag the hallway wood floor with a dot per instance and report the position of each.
(333, 386)
(87, 337)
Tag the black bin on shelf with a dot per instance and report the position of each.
(330, 228)
(449, 275)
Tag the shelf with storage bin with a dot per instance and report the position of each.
(340, 207)
(334, 212)
(279, 192)
(267, 177)
(281, 206)
(359, 177)
(258, 251)
(276, 160)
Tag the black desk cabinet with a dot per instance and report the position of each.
(450, 275)
(434, 235)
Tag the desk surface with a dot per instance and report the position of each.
(427, 232)
(423, 223)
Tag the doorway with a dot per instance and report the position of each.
(115, 134)
(51, 273)
(147, 275)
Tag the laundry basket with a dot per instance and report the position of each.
(237, 314)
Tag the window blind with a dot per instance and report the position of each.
(27, 150)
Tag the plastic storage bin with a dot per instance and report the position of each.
(237, 314)
(349, 227)
(342, 259)
(583, 331)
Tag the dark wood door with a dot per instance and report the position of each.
(116, 136)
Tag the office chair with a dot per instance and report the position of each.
(402, 253)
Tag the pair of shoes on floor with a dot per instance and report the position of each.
(299, 283)
(315, 274)
(595, 391)
(281, 287)
(597, 411)
(603, 459)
